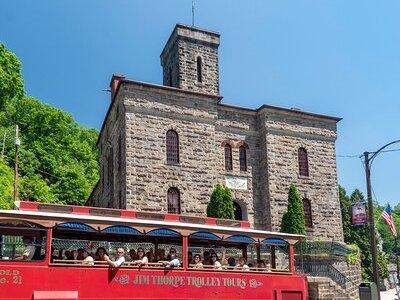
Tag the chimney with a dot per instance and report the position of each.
(114, 84)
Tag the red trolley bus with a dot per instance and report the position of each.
(44, 251)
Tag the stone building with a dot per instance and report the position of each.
(164, 147)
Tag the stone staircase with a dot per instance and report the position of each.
(324, 288)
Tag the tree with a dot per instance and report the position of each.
(58, 158)
(345, 207)
(221, 203)
(293, 219)
(359, 235)
(11, 83)
(388, 240)
(6, 186)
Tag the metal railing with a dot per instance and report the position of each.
(322, 269)
(322, 248)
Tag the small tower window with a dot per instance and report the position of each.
(172, 147)
(242, 158)
(307, 213)
(174, 201)
(199, 71)
(303, 162)
(228, 157)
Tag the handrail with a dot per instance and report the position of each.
(325, 248)
(324, 270)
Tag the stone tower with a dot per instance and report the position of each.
(190, 60)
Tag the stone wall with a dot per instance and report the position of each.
(325, 285)
(110, 190)
(353, 276)
(134, 135)
(285, 134)
(150, 114)
(239, 128)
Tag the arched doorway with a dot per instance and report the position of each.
(238, 211)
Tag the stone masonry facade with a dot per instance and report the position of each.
(132, 144)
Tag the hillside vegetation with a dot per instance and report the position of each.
(58, 159)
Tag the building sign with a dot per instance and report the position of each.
(359, 214)
(236, 183)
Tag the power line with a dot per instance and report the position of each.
(44, 172)
(361, 155)
(348, 156)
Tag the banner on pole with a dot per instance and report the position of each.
(359, 214)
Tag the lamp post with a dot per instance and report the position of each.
(368, 162)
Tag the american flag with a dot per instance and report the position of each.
(387, 216)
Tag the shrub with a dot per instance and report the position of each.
(221, 203)
(354, 256)
(293, 219)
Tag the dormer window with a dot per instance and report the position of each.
(199, 71)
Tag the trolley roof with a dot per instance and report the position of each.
(50, 215)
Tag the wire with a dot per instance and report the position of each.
(348, 156)
(44, 172)
(361, 155)
(392, 150)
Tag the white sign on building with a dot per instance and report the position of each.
(236, 183)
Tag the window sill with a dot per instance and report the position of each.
(173, 165)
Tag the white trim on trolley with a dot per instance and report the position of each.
(63, 217)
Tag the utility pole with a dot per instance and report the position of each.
(372, 236)
(17, 144)
(368, 162)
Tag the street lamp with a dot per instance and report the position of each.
(368, 162)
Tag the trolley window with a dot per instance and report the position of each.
(22, 241)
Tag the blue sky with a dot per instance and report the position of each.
(340, 58)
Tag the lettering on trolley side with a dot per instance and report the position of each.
(8, 276)
(195, 281)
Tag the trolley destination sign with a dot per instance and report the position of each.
(196, 281)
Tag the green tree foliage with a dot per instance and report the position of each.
(6, 185)
(11, 83)
(293, 219)
(221, 203)
(58, 159)
(359, 235)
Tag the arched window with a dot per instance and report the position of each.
(228, 157)
(238, 211)
(303, 162)
(242, 158)
(174, 201)
(199, 72)
(307, 213)
(172, 145)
